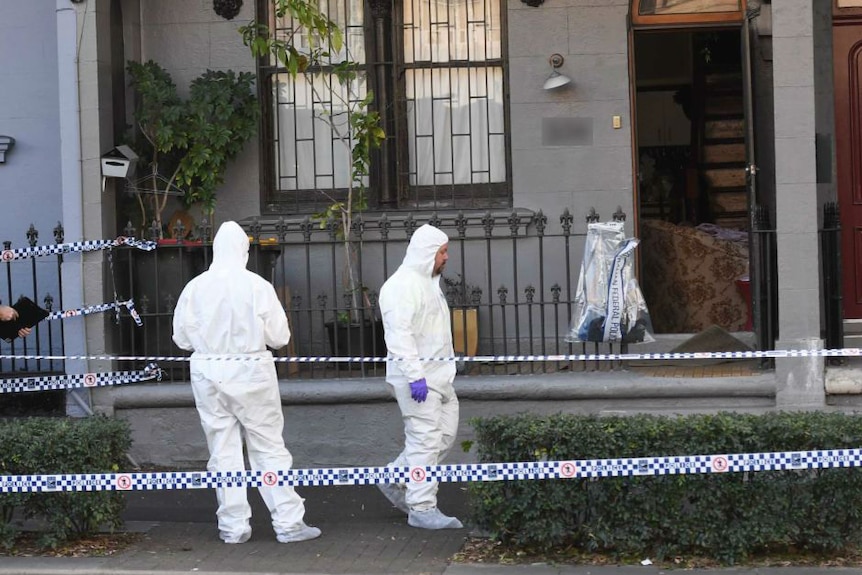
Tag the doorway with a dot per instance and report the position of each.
(692, 189)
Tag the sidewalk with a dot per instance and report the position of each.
(362, 534)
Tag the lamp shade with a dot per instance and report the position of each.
(556, 80)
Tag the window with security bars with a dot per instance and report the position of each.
(438, 74)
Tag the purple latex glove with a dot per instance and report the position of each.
(419, 390)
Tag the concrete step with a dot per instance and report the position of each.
(852, 327)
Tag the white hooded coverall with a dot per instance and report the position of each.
(417, 324)
(231, 310)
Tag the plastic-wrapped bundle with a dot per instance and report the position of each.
(609, 305)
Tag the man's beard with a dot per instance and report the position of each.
(438, 270)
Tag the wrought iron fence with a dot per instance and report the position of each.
(510, 280)
(830, 272)
(764, 272)
(41, 280)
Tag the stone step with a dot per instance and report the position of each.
(723, 153)
(852, 327)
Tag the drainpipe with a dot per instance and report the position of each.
(74, 332)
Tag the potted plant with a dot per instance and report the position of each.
(324, 57)
(188, 143)
(463, 301)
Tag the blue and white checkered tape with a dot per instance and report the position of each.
(468, 472)
(75, 381)
(754, 354)
(84, 246)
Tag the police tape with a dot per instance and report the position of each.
(98, 308)
(755, 354)
(75, 381)
(84, 246)
(468, 472)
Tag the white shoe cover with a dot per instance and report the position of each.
(304, 533)
(235, 539)
(396, 495)
(432, 519)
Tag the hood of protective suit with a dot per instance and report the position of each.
(230, 248)
(423, 248)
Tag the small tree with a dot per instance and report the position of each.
(190, 142)
(361, 133)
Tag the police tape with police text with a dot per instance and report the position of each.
(468, 472)
(753, 354)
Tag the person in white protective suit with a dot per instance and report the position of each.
(416, 325)
(229, 310)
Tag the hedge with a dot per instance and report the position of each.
(58, 445)
(725, 516)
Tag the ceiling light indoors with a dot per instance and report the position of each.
(556, 80)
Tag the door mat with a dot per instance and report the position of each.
(713, 338)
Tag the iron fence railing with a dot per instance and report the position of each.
(764, 274)
(830, 273)
(41, 280)
(511, 281)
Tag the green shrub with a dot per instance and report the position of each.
(726, 516)
(59, 446)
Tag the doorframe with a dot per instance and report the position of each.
(679, 23)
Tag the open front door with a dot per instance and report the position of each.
(694, 147)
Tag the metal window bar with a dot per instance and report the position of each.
(310, 160)
(447, 53)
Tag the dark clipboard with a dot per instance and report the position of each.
(29, 314)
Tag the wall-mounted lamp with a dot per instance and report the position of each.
(555, 80)
(6, 144)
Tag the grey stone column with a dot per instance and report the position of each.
(800, 382)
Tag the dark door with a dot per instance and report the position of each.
(847, 53)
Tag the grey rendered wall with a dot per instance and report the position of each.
(33, 179)
(187, 38)
(29, 112)
(592, 37)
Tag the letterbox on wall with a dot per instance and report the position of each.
(118, 163)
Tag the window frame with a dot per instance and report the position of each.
(686, 19)
(403, 196)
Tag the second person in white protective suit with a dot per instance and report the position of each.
(417, 325)
(229, 310)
